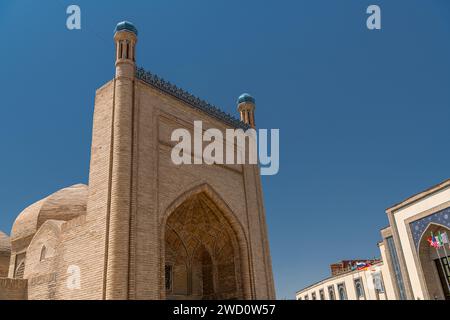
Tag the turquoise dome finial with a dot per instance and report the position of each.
(127, 26)
(245, 97)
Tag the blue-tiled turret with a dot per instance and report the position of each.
(245, 97)
(127, 26)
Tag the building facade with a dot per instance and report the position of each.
(372, 283)
(419, 270)
(410, 268)
(145, 228)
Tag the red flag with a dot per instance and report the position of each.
(432, 242)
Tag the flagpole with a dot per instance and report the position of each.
(440, 261)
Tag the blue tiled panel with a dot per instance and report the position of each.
(418, 227)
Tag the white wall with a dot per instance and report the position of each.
(405, 213)
(389, 288)
(348, 279)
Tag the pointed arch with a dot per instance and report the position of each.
(211, 200)
(431, 227)
(20, 271)
(432, 269)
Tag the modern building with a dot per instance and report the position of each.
(410, 267)
(144, 227)
(352, 284)
(419, 271)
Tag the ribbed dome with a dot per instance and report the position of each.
(5, 244)
(65, 204)
(127, 26)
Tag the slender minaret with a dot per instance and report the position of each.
(246, 108)
(125, 38)
(118, 245)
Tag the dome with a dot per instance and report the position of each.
(127, 26)
(5, 244)
(65, 204)
(245, 97)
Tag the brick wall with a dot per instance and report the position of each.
(133, 186)
(4, 264)
(13, 289)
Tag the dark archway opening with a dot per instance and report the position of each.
(435, 264)
(202, 256)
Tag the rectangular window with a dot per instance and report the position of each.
(313, 296)
(446, 271)
(322, 294)
(396, 267)
(443, 269)
(306, 297)
(378, 282)
(168, 275)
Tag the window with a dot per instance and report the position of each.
(168, 275)
(396, 267)
(443, 270)
(359, 289)
(20, 270)
(331, 293)
(43, 253)
(322, 294)
(313, 296)
(299, 298)
(342, 292)
(306, 297)
(378, 282)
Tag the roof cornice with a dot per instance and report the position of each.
(419, 196)
(188, 98)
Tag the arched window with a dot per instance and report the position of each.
(331, 293)
(342, 292)
(359, 289)
(43, 253)
(20, 270)
(322, 294)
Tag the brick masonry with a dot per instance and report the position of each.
(117, 237)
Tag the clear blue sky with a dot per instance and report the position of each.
(363, 115)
